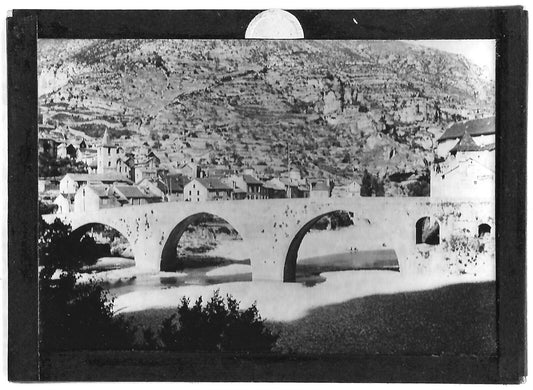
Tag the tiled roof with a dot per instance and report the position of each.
(106, 177)
(134, 192)
(320, 186)
(474, 127)
(466, 144)
(251, 180)
(274, 184)
(213, 184)
(101, 191)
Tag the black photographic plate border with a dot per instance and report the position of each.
(508, 26)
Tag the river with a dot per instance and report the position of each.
(119, 277)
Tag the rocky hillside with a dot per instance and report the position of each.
(341, 106)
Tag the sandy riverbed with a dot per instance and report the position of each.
(290, 301)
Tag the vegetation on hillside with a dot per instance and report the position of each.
(343, 107)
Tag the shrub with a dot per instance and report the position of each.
(74, 316)
(218, 326)
(372, 185)
(58, 250)
(79, 316)
(49, 167)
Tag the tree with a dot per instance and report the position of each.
(74, 315)
(79, 317)
(217, 326)
(372, 185)
(49, 167)
(58, 250)
(46, 208)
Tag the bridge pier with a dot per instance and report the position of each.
(147, 254)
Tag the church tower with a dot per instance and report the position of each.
(107, 156)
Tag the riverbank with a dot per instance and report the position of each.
(456, 319)
(285, 302)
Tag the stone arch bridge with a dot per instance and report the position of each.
(273, 229)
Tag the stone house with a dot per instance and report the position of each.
(206, 189)
(64, 203)
(351, 190)
(275, 189)
(93, 197)
(245, 187)
(482, 131)
(133, 195)
(467, 172)
(71, 182)
(320, 189)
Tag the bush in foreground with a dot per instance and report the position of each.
(219, 326)
(74, 316)
(79, 317)
(57, 249)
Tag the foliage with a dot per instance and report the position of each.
(371, 185)
(336, 219)
(418, 188)
(58, 250)
(79, 316)
(72, 315)
(49, 167)
(46, 208)
(421, 187)
(217, 326)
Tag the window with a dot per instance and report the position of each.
(109, 163)
(483, 229)
(108, 151)
(427, 232)
(190, 192)
(198, 192)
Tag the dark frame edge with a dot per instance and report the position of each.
(511, 203)
(511, 195)
(23, 354)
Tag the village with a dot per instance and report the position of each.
(118, 175)
(301, 178)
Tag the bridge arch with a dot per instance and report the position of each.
(291, 254)
(78, 232)
(168, 253)
(427, 231)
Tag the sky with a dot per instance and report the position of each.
(481, 52)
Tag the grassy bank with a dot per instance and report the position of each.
(458, 319)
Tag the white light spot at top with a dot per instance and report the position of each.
(274, 24)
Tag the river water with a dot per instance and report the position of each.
(119, 277)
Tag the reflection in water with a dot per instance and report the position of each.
(309, 271)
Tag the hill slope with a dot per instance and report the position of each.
(342, 106)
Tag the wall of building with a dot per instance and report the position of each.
(467, 178)
(67, 185)
(107, 157)
(86, 201)
(195, 192)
